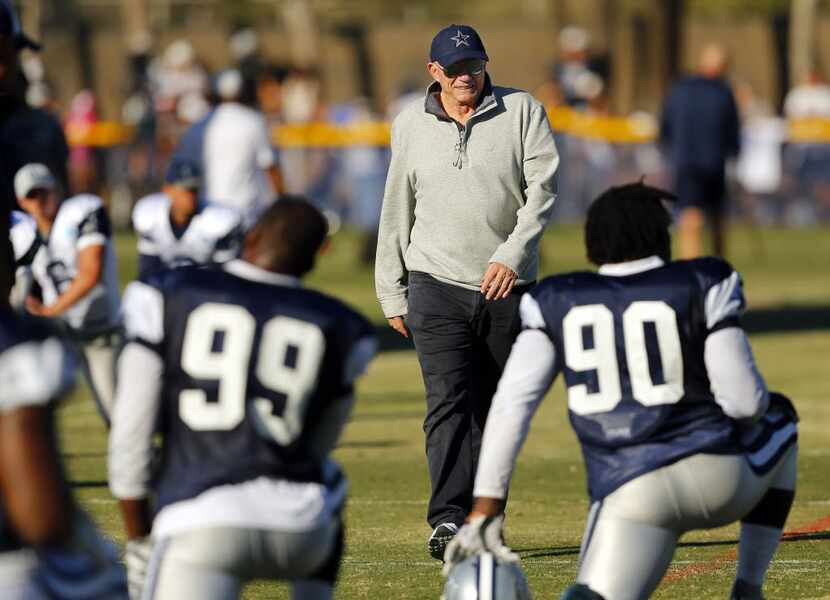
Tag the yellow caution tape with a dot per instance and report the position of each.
(614, 130)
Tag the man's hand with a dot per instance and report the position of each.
(137, 558)
(479, 534)
(37, 308)
(398, 325)
(498, 281)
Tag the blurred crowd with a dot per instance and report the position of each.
(771, 180)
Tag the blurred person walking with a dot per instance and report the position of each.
(700, 131)
(232, 147)
(469, 192)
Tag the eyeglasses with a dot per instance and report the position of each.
(474, 66)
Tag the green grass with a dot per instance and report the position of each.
(383, 448)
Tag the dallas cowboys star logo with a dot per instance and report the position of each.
(460, 38)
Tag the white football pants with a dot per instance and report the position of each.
(214, 564)
(631, 535)
(98, 358)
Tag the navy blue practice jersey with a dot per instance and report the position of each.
(632, 352)
(251, 362)
(35, 369)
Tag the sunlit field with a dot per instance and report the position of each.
(787, 281)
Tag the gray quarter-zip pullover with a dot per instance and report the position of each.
(460, 197)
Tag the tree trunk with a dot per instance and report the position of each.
(302, 32)
(802, 39)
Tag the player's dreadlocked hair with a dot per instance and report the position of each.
(628, 222)
(289, 235)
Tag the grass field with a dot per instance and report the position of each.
(787, 279)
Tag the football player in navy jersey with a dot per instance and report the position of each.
(48, 547)
(176, 228)
(76, 271)
(677, 427)
(250, 378)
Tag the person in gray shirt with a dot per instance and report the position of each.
(469, 192)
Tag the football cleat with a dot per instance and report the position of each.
(441, 536)
(482, 577)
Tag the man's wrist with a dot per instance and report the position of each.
(487, 507)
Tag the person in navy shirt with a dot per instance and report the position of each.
(677, 428)
(700, 131)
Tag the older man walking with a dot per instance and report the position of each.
(469, 192)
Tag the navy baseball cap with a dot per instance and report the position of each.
(184, 173)
(455, 43)
(10, 26)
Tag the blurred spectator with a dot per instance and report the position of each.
(26, 134)
(700, 130)
(270, 92)
(759, 166)
(232, 146)
(176, 74)
(308, 170)
(564, 86)
(409, 92)
(810, 162)
(364, 176)
(244, 47)
(810, 99)
(80, 119)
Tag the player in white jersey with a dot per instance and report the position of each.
(677, 428)
(248, 378)
(48, 547)
(76, 271)
(174, 228)
(25, 242)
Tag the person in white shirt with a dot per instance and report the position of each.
(76, 272)
(175, 228)
(233, 148)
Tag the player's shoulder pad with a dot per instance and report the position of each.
(148, 211)
(82, 205)
(143, 309)
(23, 235)
(219, 221)
(35, 366)
(722, 288)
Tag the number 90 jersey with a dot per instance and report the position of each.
(252, 363)
(632, 351)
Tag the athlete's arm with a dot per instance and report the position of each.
(528, 374)
(735, 381)
(32, 488)
(90, 268)
(134, 418)
(334, 418)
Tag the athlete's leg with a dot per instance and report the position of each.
(99, 370)
(191, 566)
(625, 560)
(761, 529)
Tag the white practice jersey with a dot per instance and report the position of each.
(24, 237)
(25, 242)
(214, 234)
(82, 221)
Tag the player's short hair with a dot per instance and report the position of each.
(628, 222)
(289, 235)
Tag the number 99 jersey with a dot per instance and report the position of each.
(632, 351)
(251, 363)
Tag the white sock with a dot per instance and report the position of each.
(755, 551)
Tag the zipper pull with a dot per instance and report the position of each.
(459, 149)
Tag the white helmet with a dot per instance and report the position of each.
(482, 577)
